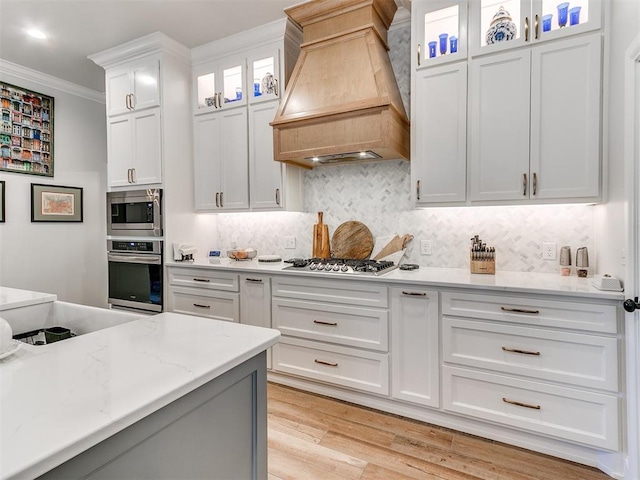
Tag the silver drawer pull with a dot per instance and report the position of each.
(322, 362)
(201, 306)
(206, 280)
(520, 404)
(417, 294)
(516, 350)
(519, 310)
(254, 280)
(331, 324)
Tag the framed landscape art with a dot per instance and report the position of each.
(26, 131)
(54, 203)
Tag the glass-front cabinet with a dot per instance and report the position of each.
(440, 33)
(220, 85)
(496, 25)
(264, 76)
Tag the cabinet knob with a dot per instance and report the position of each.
(631, 305)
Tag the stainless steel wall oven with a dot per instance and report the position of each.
(135, 213)
(135, 274)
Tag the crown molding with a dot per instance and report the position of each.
(24, 73)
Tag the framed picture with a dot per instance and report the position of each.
(26, 131)
(1, 201)
(52, 203)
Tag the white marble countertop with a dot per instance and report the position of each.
(502, 281)
(14, 298)
(58, 400)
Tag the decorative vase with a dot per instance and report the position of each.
(268, 84)
(502, 28)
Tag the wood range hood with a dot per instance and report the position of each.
(342, 102)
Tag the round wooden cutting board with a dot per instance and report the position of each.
(352, 240)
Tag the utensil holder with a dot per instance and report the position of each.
(486, 266)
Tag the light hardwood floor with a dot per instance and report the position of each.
(318, 438)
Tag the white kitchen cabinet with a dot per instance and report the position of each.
(135, 86)
(204, 292)
(415, 369)
(255, 302)
(264, 75)
(531, 22)
(220, 84)
(439, 134)
(134, 146)
(221, 166)
(273, 185)
(535, 123)
(440, 32)
(538, 365)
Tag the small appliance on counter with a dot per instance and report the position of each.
(482, 257)
(184, 252)
(565, 261)
(582, 262)
(607, 282)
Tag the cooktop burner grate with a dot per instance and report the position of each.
(341, 265)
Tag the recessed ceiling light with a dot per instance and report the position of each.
(35, 33)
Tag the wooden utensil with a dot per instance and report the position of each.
(352, 240)
(395, 245)
(321, 239)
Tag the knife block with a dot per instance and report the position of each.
(486, 266)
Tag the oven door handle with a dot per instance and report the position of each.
(144, 259)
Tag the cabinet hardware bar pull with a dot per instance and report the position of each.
(416, 294)
(537, 27)
(219, 99)
(526, 29)
(535, 183)
(524, 184)
(418, 190)
(331, 324)
(256, 280)
(217, 199)
(128, 175)
(277, 196)
(133, 175)
(126, 101)
(201, 306)
(520, 404)
(221, 201)
(215, 100)
(419, 55)
(133, 101)
(206, 280)
(519, 310)
(517, 350)
(322, 362)
(276, 86)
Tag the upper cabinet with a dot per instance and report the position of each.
(500, 25)
(135, 86)
(440, 29)
(264, 75)
(220, 84)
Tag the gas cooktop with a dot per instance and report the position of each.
(341, 265)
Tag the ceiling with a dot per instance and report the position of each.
(78, 28)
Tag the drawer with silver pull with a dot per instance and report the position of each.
(570, 414)
(531, 311)
(210, 304)
(344, 366)
(574, 358)
(209, 279)
(341, 324)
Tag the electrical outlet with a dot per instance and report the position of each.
(549, 251)
(289, 242)
(425, 247)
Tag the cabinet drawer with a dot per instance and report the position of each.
(334, 290)
(574, 415)
(348, 367)
(203, 278)
(352, 326)
(575, 358)
(210, 304)
(574, 315)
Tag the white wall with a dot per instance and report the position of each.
(68, 259)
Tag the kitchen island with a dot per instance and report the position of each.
(165, 396)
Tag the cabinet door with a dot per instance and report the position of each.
(264, 172)
(414, 346)
(498, 26)
(118, 87)
(147, 147)
(439, 133)
(440, 31)
(119, 150)
(206, 166)
(255, 303)
(231, 82)
(565, 119)
(553, 19)
(234, 157)
(264, 75)
(499, 124)
(146, 84)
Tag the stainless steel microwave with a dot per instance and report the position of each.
(135, 213)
